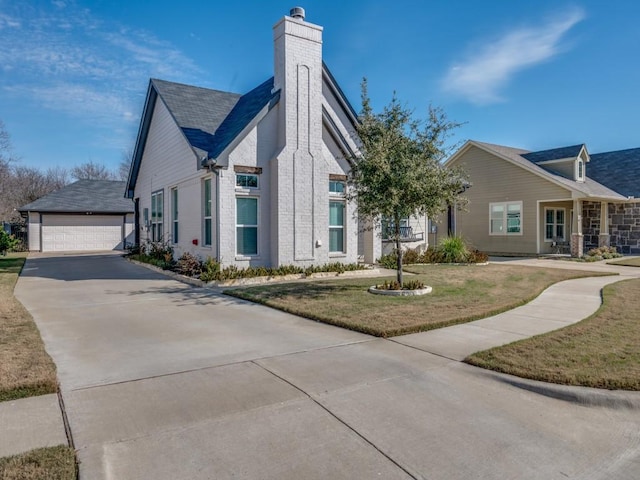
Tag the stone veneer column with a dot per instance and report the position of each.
(603, 238)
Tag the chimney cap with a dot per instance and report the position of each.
(297, 13)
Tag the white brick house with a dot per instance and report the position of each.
(253, 179)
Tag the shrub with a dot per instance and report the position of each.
(188, 264)
(601, 253)
(453, 250)
(210, 270)
(8, 243)
(408, 285)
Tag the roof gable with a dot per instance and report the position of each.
(589, 188)
(620, 170)
(85, 196)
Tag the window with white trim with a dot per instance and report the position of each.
(206, 212)
(580, 169)
(554, 224)
(247, 180)
(174, 215)
(336, 226)
(157, 214)
(337, 187)
(505, 218)
(247, 226)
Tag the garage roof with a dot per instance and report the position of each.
(84, 196)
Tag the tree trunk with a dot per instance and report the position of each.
(399, 252)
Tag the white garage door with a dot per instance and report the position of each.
(81, 232)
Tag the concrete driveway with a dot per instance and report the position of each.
(165, 381)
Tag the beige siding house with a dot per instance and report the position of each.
(530, 203)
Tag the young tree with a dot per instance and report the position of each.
(399, 173)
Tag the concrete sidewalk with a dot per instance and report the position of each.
(29, 423)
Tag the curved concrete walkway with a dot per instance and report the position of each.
(559, 305)
(216, 381)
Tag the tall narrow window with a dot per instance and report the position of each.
(174, 215)
(157, 215)
(497, 219)
(554, 224)
(336, 227)
(206, 210)
(247, 226)
(580, 169)
(505, 218)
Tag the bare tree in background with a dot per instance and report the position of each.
(125, 165)
(20, 184)
(92, 171)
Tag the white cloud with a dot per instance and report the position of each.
(480, 77)
(74, 63)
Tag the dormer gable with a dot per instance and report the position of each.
(570, 162)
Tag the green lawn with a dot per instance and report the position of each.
(601, 351)
(628, 262)
(460, 294)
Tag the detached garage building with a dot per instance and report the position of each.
(88, 215)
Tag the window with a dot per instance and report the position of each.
(389, 228)
(247, 226)
(206, 209)
(580, 170)
(554, 224)
(336, 187)
(505, 218)
(157, 208)
(246, 180)
(336, 226)
(174, 215)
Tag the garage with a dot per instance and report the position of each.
(88, 215)
(82, 232)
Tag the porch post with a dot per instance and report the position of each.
(603, 238)
(577, 243)
(372, 241)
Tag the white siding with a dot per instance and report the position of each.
(34, 231)
(168, 161)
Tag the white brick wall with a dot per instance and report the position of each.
(295, 157)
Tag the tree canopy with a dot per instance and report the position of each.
(399, 171)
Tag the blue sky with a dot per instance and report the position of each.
(535, 75)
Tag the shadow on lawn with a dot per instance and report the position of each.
(302, 290)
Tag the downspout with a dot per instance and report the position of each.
(217, 173)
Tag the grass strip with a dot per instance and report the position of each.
(26, 369)
(627, 262)
(600, 351)
(461, 293)
(51, 463)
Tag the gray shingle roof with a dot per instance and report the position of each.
(197, 111)
(588, 188)
(211, 119)
(620, 170)
(554, 153)
(97, 196)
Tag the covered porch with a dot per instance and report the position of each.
(562, 226)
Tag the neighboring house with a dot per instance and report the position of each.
(562, 200)
(87, 215)
(254, 179)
